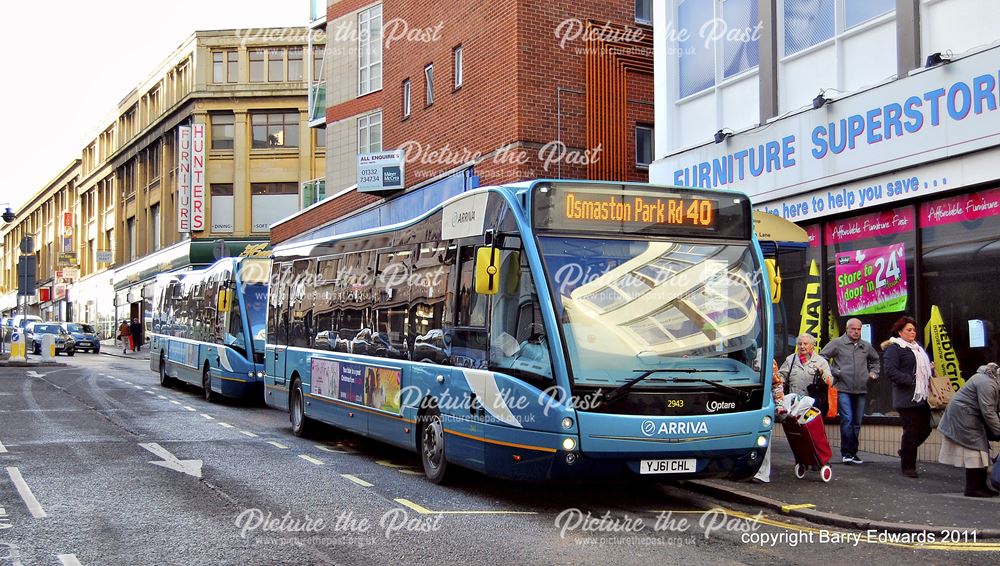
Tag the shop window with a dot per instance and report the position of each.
(960, 238)
(870, 276)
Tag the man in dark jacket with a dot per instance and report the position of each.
(135, 329)
(853, 363)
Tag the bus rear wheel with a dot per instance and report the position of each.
(206, 383)
(300, 422)
(432, 454)
(164, 380)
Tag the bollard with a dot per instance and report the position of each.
(48, 347)
(17, 349)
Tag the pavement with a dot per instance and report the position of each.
(873, 495)
(114, 348)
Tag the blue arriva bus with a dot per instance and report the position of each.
(539, 330)
(208, 327)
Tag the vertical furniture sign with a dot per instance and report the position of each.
(197, 177)
(184, 179)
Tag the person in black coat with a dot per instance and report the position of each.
(909, 369)
(135, 329)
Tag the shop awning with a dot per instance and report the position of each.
(771, 228)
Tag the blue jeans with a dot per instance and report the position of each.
(850, 408)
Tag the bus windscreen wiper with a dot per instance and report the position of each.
(620, 391)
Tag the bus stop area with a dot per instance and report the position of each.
(873, 495)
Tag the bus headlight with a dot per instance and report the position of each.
(568, 444)
(766, 421)
(567, 423)
(762, 441)
(260, 375)
(250, 374)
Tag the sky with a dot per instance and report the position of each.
(68, 63)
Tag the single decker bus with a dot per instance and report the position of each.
(208, 327)
(539, 330)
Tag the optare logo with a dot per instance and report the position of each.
(648, 428)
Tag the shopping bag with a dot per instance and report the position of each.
(831, 399)
(939, 392)
(936, 416)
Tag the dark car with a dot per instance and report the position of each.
(35, 332)
(84, 335)
(433, 347)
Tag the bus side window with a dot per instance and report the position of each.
(277, 316)
(469, 342)
(303, 275)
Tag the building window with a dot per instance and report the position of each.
(130, 235)
(857, 12)
(295, 64)
(320, 137)
(644, 11)
(256, 65)
(222, 208)
(406, 98)
(370, 50)
(232, 66)
(643, 145)
(807, 23)
(271, 202)
(700, 69)
(275, 129)
(457, 58)
(223, 127)
(429, 85)
(370, 133)
(318, 55)
(275, 65)
(154, 226)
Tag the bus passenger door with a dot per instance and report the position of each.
(275, 382)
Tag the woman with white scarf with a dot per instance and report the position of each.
(971, 417)
(909, 369)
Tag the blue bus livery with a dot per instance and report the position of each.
(541, 330)
(208, 327)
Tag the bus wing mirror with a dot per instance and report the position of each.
(224, 300)
(487, 271)
(773, 279)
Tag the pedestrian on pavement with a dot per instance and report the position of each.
(135, 330)
(854, 363)
(970, 413)
(804, 366)
(123, 333)
(909, 369)
(778, 394)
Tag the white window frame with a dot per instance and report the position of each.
(840, 29)
(406, 98)
(365, 124)
(647, 21)
(429, 84)
(652, 145)
(369, 52)
(718, 57)
(457, 67)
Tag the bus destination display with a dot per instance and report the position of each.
(644, 209)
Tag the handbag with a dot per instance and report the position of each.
(939, 392)
(936, 416)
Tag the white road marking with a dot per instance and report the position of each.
(311, 459)
(192, 409)
(150, 391)
(227, 425)
(137, 386)
(248, 433)
(161, 397)
(29, 498)
(128, 382)
(68, 559)
(328, 449)
(175, 402)
(35, 374)
(276, 444)
(3, 449)
(189, 467)
(356, 480)
(208, 417)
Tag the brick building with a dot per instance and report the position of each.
(479, 94)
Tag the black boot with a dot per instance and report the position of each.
(975, 483)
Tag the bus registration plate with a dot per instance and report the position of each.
(687, 466)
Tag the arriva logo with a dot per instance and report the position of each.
(714, 406)
(649, 428)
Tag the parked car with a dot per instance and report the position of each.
(84, 335)
(35, 331)
(23, 320)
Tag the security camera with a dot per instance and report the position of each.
(8, 215)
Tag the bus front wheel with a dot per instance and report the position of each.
(300, 422)
(165, 381)
(206, 383)
(432, 454)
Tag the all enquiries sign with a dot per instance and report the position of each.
(191, 178)
(383, 171)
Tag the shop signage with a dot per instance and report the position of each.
(936, 113)
(67, 244)
(197, 177)
(871, 280)
(66, 259)
(184, 178)
(105, 256)
(383, 171)
(67, 219)
(879, 224)
(964, 208)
